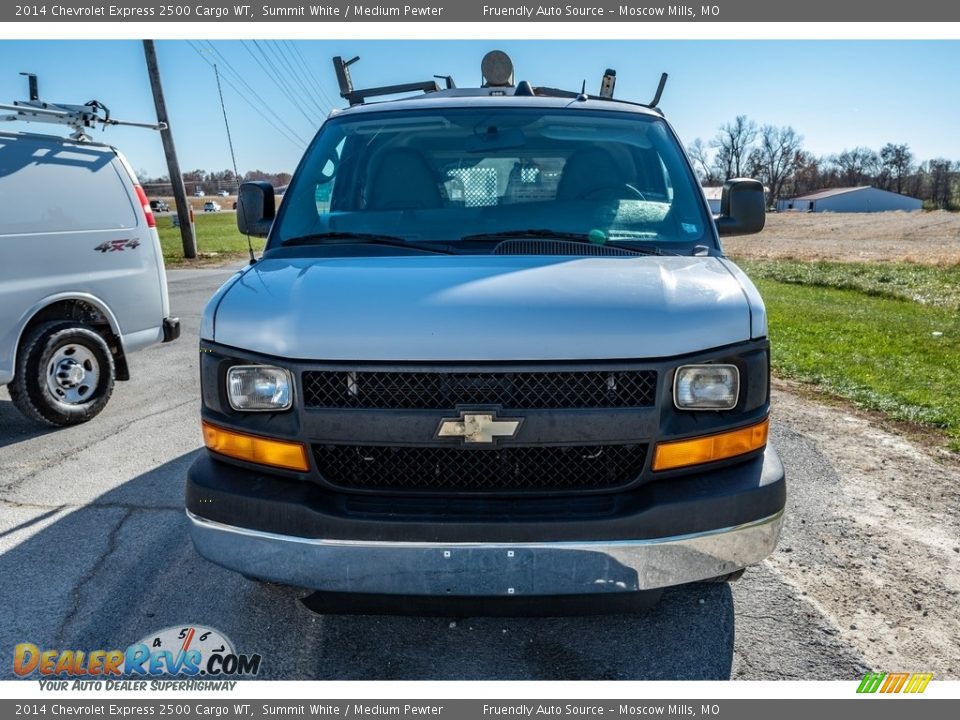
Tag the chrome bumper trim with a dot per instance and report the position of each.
(485, 569)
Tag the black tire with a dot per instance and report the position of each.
(46, 387)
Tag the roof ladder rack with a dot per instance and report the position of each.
(78, 117)
(358, 97)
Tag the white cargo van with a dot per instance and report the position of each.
(493, 349)
(82, 280)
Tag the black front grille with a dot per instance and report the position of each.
(446, 390)
(468, 470)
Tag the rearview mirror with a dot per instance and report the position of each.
(742, 207)
(256, 208)
(496, 139)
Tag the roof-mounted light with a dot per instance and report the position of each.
(497, 69)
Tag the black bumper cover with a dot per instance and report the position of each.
(708, 499)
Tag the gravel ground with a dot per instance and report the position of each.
(872, 538)
(929, 238)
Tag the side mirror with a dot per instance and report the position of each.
(256, 208)
(742, 207)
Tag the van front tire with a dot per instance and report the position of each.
(65, 374)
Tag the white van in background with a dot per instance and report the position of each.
(82, 280)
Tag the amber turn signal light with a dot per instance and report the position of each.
(695, 451)
(255, 449)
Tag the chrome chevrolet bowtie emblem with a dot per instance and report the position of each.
(478, 427)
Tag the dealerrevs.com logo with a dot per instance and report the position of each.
(185, 651)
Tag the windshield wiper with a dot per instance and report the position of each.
(543, 233)
(354, 237)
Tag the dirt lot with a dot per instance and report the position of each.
(930, 238)
(872, 539)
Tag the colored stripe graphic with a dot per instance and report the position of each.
(894, 682)
(918, 682)
(871, 682)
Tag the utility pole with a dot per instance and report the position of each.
(173, 165)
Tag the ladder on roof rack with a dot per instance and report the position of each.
(606, 93)
(78, 117)
(358, 97)
(500, 65)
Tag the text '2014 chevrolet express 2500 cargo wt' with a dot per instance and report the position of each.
(493, 348)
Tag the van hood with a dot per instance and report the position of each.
(476, 308)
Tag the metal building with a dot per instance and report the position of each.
(850, 200)
(713, 195)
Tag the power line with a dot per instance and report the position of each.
(272, 75)
(297, 74)
(286, 132)
(311, 74)
(290, 136)
(333, 100)
(281, 81)
(283, 78)
(323, 102)
(239, 77)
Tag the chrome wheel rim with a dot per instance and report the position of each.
(73, 374)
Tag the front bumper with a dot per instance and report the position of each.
(666, 533)
(494, 569)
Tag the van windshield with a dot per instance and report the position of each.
(443, 176)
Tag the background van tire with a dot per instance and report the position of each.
(64, 374)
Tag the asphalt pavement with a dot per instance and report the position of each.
(95, 554)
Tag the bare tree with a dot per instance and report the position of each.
(856, 166)
(807, 176)
(917, 181)
(753, 167)
(722, 163)
(733, 144)
(699, 156)
(274, 178)
(941, 183)
(896, 160)
(778, 156)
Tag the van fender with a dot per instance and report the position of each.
(101, 307)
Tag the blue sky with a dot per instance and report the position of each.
(837, 94)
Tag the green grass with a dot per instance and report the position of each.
(900, 357)
(217, 236)
(923, 284)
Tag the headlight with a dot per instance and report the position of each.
(258, 387)
(706, 387)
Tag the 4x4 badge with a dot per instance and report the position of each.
(117, 245)
(479, 427)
